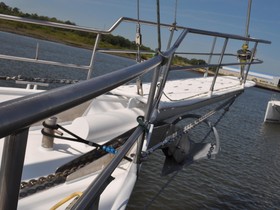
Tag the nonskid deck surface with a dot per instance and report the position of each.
(187, 89)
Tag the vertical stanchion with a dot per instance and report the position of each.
(219, 66)
(250, 62)
(210, 56)
(93, 56)
(11, 169)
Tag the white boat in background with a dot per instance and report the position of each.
(96, 132)
(272, 113)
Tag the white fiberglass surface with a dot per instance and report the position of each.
(187, 89)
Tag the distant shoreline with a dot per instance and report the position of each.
(268, 87)
(82, 46)
(258, 85)
(36, 36)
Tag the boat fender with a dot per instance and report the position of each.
(100, 127)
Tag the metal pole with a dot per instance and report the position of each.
(152, 92)
(147, 117)
(37, 51)
(210, 56)
(90, 70)
(11, 169)
(173, 28)
(219, 65)
(49, 103)
(158, 26)
(251, 60)
(248, 18)
(92, 193)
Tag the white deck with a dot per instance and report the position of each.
(187, 89)
(7, 93)
(46, 161)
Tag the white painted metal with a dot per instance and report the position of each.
(272, 113)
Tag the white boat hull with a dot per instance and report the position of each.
(272, 113)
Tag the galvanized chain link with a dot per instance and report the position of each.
(45, 182)
(211, 149)
(38, 79)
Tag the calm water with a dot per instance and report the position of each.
(26, 46)
(245, 175)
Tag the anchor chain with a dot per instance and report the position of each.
(38, 79)
(45, 182)
(210, 151)
(59, 177)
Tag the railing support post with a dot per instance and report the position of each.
(93, 56)
(250, 62)
(210, 56)
(219, 66)
(11, 169)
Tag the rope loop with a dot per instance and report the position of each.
(53, 127)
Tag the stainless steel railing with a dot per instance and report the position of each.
(130, 20)
(45, 104)
(15, 122)
(110, 30)
(18, 114)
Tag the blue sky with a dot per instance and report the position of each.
(227, 16)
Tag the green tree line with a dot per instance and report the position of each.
(70, 37)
